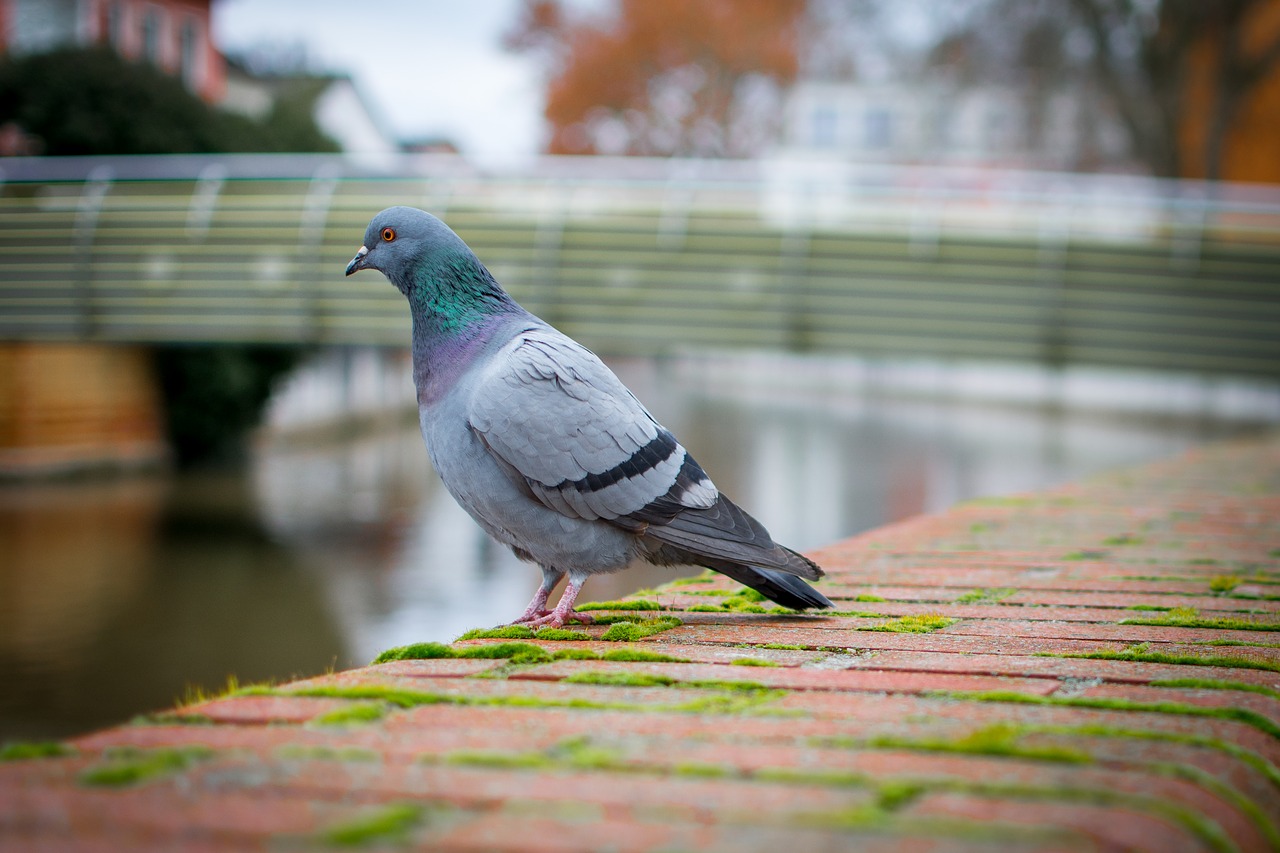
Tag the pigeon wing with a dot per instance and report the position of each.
(571, 435)
(551, 412)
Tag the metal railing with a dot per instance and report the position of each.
(646, 255)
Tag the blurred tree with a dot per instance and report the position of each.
(700, 78)
(90, 101)
(1179, 74)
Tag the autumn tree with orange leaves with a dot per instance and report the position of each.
(693, 78)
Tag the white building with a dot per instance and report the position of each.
(940, 123)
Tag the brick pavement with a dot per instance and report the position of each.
(1105, 675)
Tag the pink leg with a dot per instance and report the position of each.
(538, 607)
(564, 611)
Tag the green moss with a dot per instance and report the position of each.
(28, 750)
(707, 608)
(1153, 607)
(1216, 684)
(893, 794)
(557, 634)
(131, 766)
(299, 752)
(1085, 555)
(416, 651)
(627, 631)
(388, 823)
(352, 715)
(640, 656)
(1241, 715)
(500, 760)
(786, 647)
(506, 632)
(1139, 654)
(518, 653)
(1224, 583)
(1244, 643)
(414, 698)
(868, 597)
(629, 604)
(1253, 759)
(856, 614)
(1000, 739)
(697, 770)
(921, 624)
(574, 654)
(985, 596)
(621, 679)
(1123, 539)
(751, 662)
(1225, 792)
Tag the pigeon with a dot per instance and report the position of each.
(545, 447)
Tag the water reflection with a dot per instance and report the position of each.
(115, 596)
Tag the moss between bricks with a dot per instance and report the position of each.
(985, 596)
(28, 750)
(1000, 739)
(1139, 652)
(301, 752)
(891, 795)
(129, 766)
(388, 823)
(744, 698)
(1216, 684)
(1186, 617)
(922, 624)
(352, 715)
(519, 653)
(1241, 715)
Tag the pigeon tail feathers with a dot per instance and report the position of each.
(726, 532)
(787, 590)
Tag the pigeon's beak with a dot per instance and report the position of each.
(357, 263)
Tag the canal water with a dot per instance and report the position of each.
(122, 595)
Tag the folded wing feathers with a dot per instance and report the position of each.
(556, 416)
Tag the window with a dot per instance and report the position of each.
(189, 53)
(115, 26)
(823, 127)
(151, 36)
(879, 127)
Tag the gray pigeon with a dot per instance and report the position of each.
(546, 448)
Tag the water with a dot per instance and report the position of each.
(118, 596)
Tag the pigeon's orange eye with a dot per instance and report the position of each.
(388, 234)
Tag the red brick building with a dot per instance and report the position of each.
(174, 35)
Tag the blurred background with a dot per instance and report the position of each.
(867, 258)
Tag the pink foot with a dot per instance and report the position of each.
(564, 611)
(529, 616)
(557, 619)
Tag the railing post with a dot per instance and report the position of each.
(548, 240)
(311, 225)
(204, 197)
(94, 190)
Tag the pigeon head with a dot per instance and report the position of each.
(401, 240)
(429, 264)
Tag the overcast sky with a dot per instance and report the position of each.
(427, 67)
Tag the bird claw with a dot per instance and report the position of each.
(557, 619)
(528, 617)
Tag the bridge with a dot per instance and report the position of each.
(642, 256)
